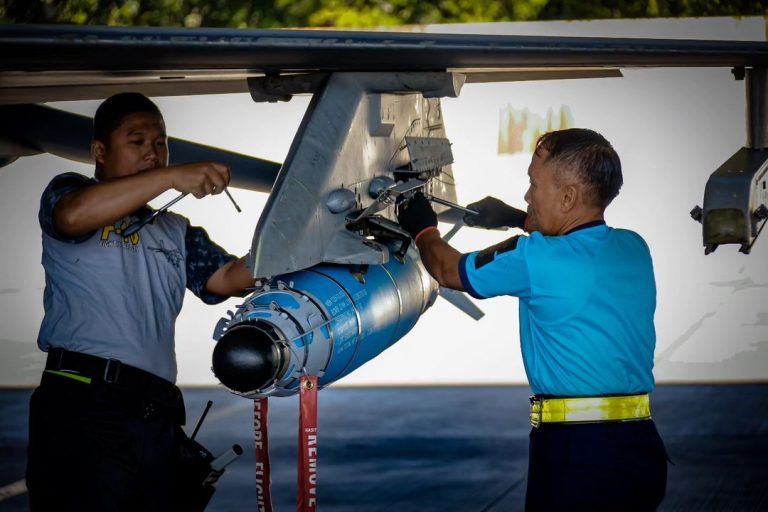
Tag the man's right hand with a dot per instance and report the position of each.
(200, 179)
(416, 215)
(493, 214)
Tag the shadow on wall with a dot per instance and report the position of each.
(753, 361)
(735, 326)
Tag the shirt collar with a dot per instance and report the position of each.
(587, 225)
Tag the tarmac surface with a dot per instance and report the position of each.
(446, 449)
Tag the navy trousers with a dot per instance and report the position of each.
(595, 467)
(90, 451)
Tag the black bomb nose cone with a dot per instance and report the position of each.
(246, 358)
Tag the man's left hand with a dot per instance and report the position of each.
(416, 215)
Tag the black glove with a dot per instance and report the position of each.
(416, 214)
(493, 213)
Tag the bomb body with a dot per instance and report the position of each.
(326, 321)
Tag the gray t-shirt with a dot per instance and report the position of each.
(117, 297)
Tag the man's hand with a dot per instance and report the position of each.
(200, 179)
(493, 213)
(416, 215)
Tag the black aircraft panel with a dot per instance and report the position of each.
(30, 47)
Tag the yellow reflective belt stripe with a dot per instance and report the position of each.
(74, 376)
(607, 408)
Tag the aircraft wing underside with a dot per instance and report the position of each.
(48, 63)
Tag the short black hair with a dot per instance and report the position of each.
(114, 109)
(590, 157)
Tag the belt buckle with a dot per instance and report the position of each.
(112, 371)
(536, 407)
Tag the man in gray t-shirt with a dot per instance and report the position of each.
(104, 420)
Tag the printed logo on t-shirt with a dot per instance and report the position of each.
(111, 236)
(172, 255)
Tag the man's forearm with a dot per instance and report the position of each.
(106, 202)
(232, 280)
(440, 259)
(85, 210)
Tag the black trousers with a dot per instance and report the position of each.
(596, 467)
(90, 449)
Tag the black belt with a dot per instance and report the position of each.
(152, 394)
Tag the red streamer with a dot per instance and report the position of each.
(307, 471)
(263, 467)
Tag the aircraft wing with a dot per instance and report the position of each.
(55, 63)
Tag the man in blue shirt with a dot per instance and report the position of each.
(587, 297)
(104, 423)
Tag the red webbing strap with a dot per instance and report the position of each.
(307, 488)
(263, 469)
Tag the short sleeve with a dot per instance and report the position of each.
(58, 187)
(204, 258)
(499, 270)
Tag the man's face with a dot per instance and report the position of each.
(543, 197)
(137, 145)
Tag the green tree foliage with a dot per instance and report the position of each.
(351, 13)
(575, 9)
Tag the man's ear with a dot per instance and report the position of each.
(569, 197)
(97, 151)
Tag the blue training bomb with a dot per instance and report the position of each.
(326, 321)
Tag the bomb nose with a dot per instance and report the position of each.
(247, 358)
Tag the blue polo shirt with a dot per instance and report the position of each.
(587, 300)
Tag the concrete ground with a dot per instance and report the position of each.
(447, 449)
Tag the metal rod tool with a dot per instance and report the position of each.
(134, 227)
(202, 417)
(451, 205)
(226, 191)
